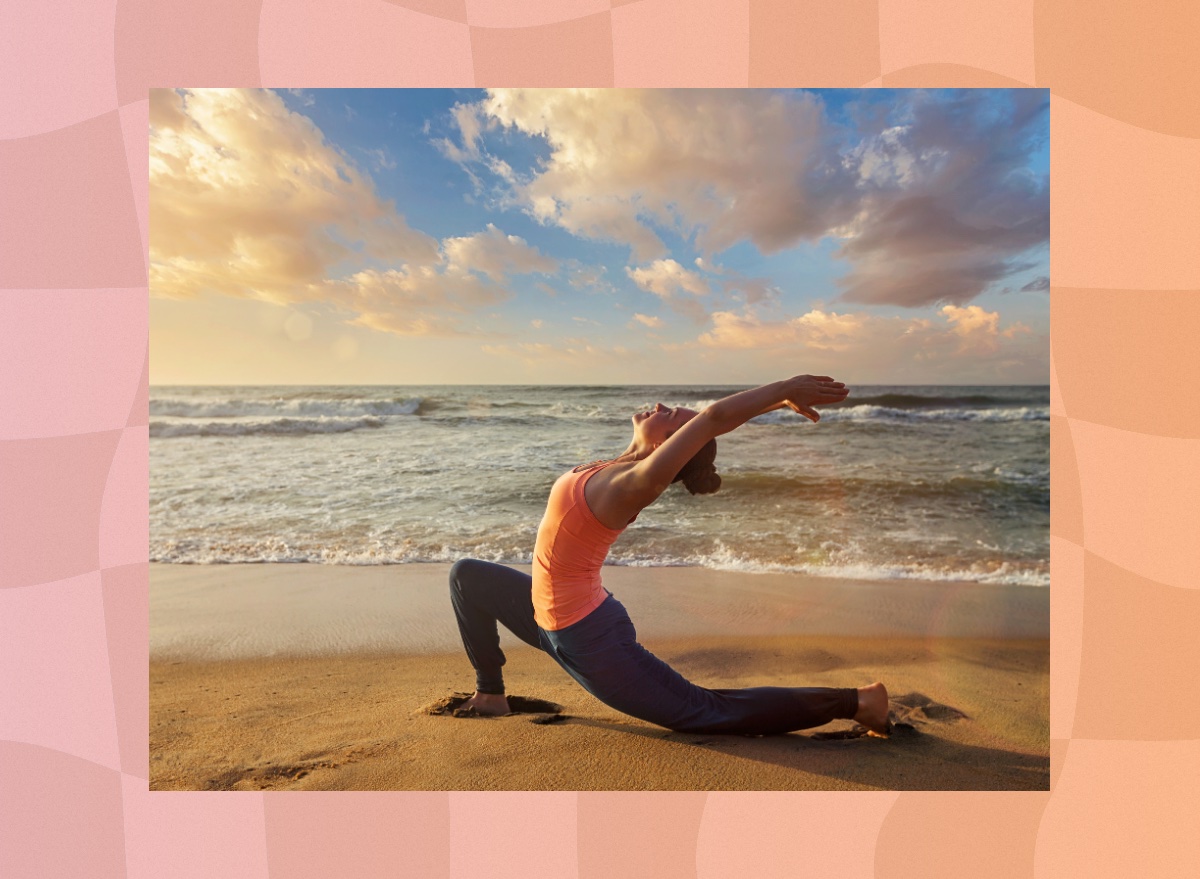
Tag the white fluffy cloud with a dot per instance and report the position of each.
(434, 299)
(730, 165)
(496, 255)
(816, 329)
(412, 301)
(968, 345)
(248, 199)
(666, 278)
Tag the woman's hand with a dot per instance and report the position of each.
(638, 486)
(805, 391)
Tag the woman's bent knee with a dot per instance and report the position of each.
(470, 575)
(460, 573)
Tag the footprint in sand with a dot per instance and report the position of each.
(540, 710)
(271, 775)
(905, 715)
(919, 708)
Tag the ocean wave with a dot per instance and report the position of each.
(281, 408)
(721, 558)
(1006, 574)
(269, 427)
(725, 559)
(891, 415)
(1039, 475)
(279, 551)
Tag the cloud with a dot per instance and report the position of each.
(931, 198)
(433, 300)
(967, 345)
(413, 300)
(469, 122)
(1013, 331)
(971, 320)
(755, 290)
(647, 320)
(302, 96)
(731, 165)
(248, 199)
(666, 278)
(816, 329)
(582, 276)
(537, 324)
(166, 109)
(977, 329)
(382, 159)
(948, 205)
(496, 255)
(1040, 283)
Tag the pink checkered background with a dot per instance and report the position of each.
(1125, 441)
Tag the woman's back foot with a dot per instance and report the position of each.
(873, 708)
(489, 704)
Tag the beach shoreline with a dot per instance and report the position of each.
(318, 677)
(248, 610)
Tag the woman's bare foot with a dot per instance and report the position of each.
(873, 708)
(491, 704)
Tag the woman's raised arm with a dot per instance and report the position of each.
(651, 476)
(799, 393)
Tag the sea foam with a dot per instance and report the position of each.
(270, 426)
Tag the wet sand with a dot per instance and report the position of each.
(323, 677)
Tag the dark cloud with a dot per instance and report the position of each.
(755, 290)
(915, 281)
(949, 204)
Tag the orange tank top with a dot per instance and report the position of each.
(570, 550)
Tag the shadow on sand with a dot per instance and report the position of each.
(915, 752)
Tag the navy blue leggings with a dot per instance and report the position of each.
(602, 653)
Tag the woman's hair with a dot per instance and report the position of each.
(699, 475)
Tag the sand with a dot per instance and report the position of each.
(326, 678)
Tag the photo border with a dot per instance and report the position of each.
(1125, 442)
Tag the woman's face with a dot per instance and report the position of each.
(655, 425)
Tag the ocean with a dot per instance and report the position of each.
(926, 483)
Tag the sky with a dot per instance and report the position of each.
(535, 236)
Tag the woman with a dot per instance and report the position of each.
(564, 610)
